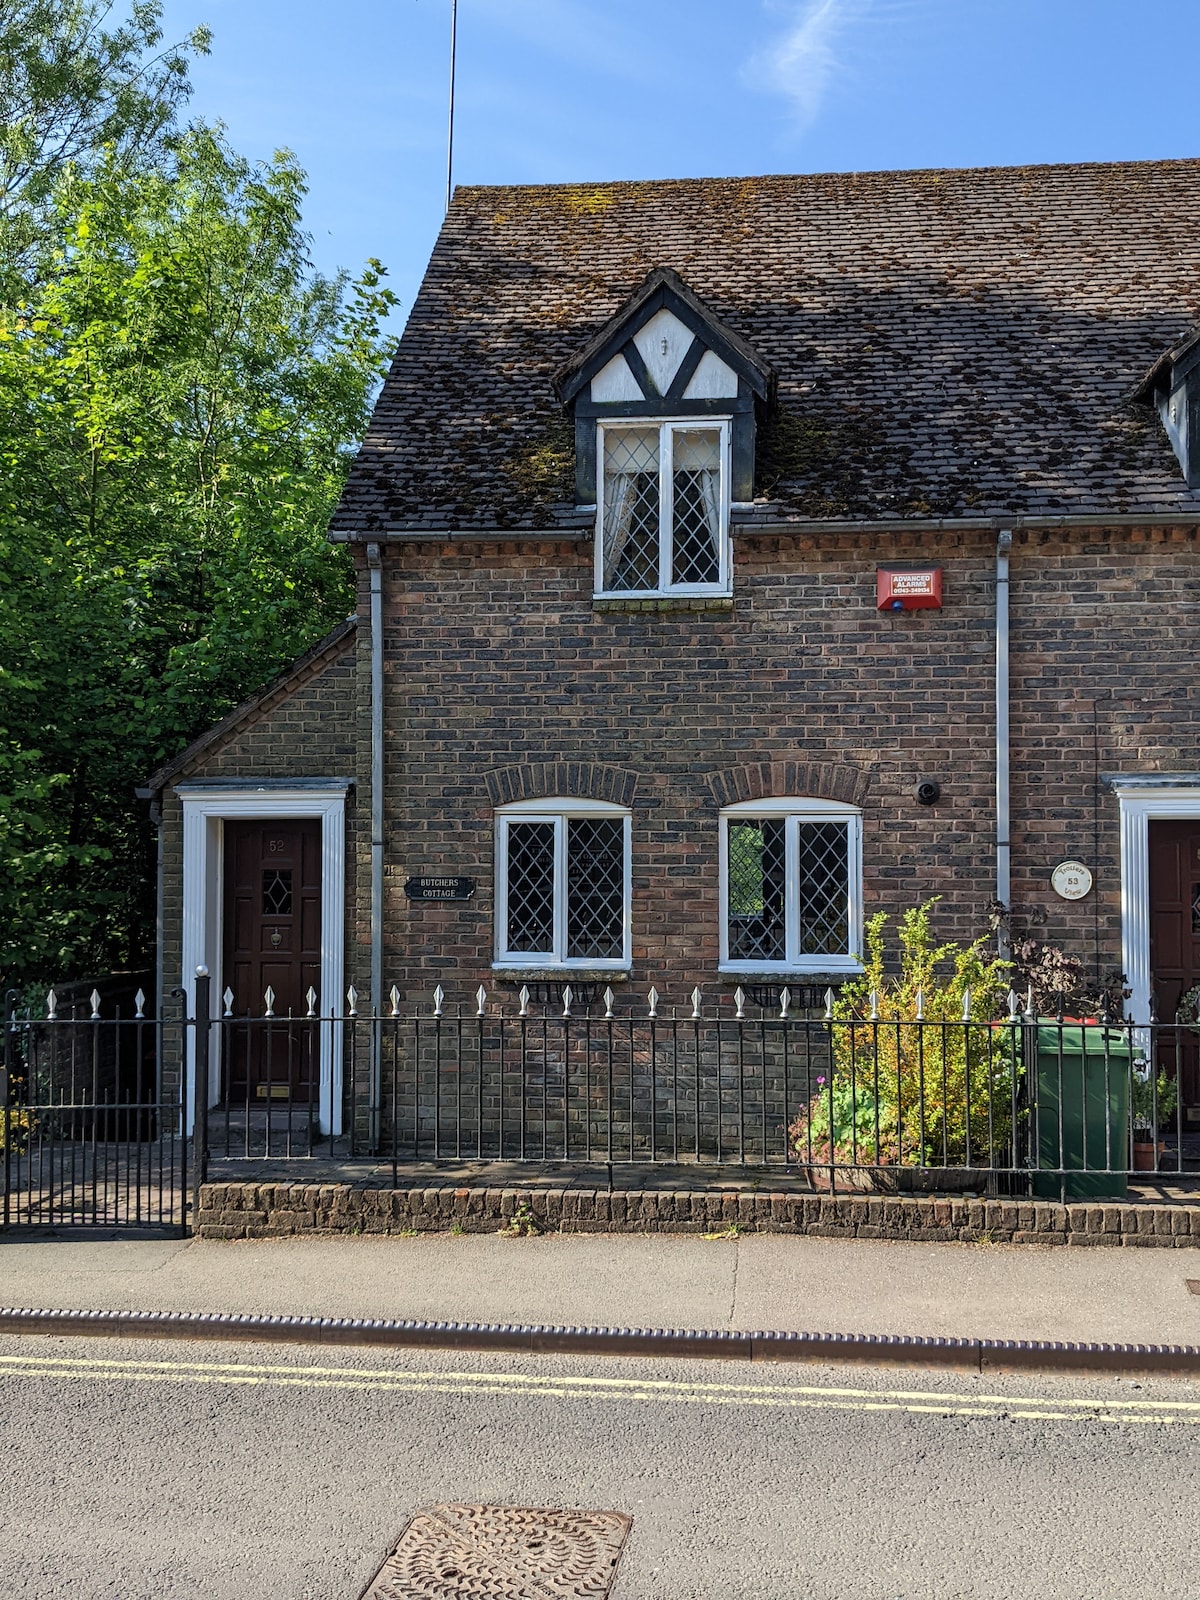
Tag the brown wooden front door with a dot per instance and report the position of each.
(272, 914)
(1175, 942)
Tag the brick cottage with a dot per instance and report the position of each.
(737, 559)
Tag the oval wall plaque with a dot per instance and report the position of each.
(1072, 880)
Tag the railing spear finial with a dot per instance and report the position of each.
(227, 1001)
(523, 997)
(609, 997)
(51, 1006)
(696, 1004)
(653, 999)
(481, 1001)
(269, 1000)
(567, 997)
(95, 999)
(785, 1000)
(352, 1001)
(739, 1001)
(139, 1004)
(311, 998)
(829, 1005)
(439, 994)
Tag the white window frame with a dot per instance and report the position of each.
(668, 427)
(558, 811)
(795, 810)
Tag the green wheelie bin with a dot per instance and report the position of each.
(1079, 1111)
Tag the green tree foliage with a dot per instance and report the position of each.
(75, 83)
(179, 399)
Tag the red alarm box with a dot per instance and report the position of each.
(908, 588)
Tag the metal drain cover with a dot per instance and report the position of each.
(503, 1553)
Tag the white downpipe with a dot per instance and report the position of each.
(1003, 814)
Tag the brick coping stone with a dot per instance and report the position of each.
(280, 1210)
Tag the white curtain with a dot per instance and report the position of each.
(630, 454)
(697, 460)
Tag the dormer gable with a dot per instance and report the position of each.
(1172, 387)
(664, 354)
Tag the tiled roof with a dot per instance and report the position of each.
(947, 344)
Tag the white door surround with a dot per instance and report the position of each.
(1143, 798)
(207, 806)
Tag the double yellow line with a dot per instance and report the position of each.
(1014, 1408)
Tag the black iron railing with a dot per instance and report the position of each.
(96, 1124)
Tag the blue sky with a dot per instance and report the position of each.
(579, 90)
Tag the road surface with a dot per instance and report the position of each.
(179, 1471)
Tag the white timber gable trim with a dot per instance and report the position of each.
(205, 811)
(1144, 798)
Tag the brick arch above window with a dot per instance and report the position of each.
(762, 780)
(581, 780)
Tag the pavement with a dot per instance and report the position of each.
(758, 1281)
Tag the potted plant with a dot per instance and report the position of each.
(1152, 1102)
(920, 1090)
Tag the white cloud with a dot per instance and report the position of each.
(803, 59)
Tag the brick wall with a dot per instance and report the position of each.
(496, 659)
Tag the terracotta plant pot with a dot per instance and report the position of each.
(1146, 1157)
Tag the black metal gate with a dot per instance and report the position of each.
(91, 1124)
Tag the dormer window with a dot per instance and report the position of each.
(663, 516)
(1172, 386)
(665, 400)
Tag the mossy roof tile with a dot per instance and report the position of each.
(947, 343)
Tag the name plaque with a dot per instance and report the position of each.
(439, 888)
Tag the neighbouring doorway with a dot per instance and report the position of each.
(1175, 945)
(272, 940)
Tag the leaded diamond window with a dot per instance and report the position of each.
(564, 885)
(277, 892)
(664, 525)
(791, 896)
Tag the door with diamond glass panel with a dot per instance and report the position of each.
(1175, 944)
(272, 915)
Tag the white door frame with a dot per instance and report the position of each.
(1144, 798)
(206, 809)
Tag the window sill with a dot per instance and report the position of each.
(552, 974)
(663, 602)
(789, 974)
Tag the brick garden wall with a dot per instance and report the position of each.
(279, 1210)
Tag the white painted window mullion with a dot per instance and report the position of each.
(666, 501)
(560, 888)
(791, 897)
